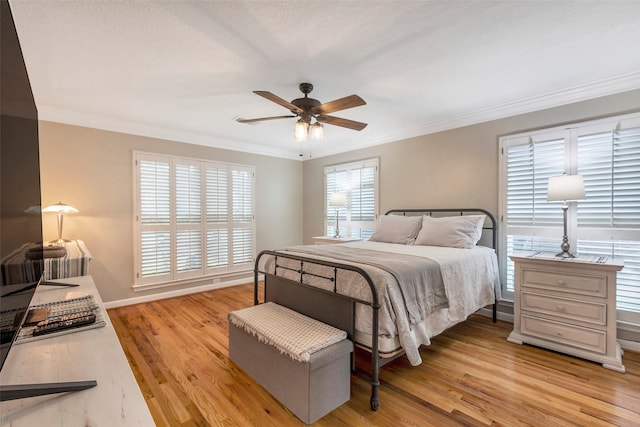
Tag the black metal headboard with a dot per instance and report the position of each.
(491, 225)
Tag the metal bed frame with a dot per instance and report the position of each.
(337, 309)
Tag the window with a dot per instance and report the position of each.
(359, 183)
(193, 218)
(607, 154)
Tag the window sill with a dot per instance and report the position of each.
(200, 280)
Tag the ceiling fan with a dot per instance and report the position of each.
(309, 109)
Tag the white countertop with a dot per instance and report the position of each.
(92, 354)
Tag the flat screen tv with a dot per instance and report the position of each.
(21, 240)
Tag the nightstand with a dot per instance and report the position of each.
(326, 240)
(567, 306)
(74, 261)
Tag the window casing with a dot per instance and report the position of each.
(607, 154)
(193, 219)
(359, 182)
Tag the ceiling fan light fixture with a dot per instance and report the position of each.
(317, 131)
(311, 110)
(300, 130)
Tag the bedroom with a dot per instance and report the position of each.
(91, 168)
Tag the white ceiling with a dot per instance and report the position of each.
(185, 70)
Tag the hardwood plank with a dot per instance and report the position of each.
(470, 375)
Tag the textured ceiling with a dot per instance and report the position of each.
(185, 70)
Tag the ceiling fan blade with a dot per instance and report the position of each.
(345, 123)
(339, 104)
(274, 98)
(260, 119)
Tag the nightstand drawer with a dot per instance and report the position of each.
(595, 285)
(572, 310)
(575, 336)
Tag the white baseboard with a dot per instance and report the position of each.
(630, 345)
(176, 293)
(507, 317)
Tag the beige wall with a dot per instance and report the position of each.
(455, 168)
(91, 170)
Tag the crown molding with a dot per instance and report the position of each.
(75, 118)
(572, 94)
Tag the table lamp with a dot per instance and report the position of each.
(565, 188)
(337, 200)
(60, 208)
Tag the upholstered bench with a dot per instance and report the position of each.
(305, 364)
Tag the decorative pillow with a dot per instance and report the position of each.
(397, 229)
(451, 231)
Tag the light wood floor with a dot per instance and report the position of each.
(470, 376)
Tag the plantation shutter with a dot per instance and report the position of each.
(242, 222)
(154, 217)
(217, 214)
(359, 182)
(610, 165)
(530, 161)
(362, 200)
(609, 161)
(529, 167)
(194, 218)
(606, 153)
(336, 181)
(188, 218)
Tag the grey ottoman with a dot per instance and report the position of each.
(305, 364)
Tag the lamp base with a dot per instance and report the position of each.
(59, 242)
(565, 248)
(564, 254)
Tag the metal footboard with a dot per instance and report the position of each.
(328, 306)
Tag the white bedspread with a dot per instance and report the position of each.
(471, 281)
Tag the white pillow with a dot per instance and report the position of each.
(451, 231)
(397, 229)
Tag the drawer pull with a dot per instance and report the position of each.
(559, 334)
(561, 282)
(560, 307)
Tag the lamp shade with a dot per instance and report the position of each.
(316, 131)
(35, 209)
(60, 208)
(337, 199)
(565, 188)
(300, 130)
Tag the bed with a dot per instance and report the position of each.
(421, 272)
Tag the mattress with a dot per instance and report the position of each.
(471, 281)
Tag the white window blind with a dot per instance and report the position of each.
(610, 164)
(154, 218)
(529, 166)
(188, 219)
(217, 217)
(194, 218)
(242, 222)
(607, 154)
(530, 161)
(359, 182)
